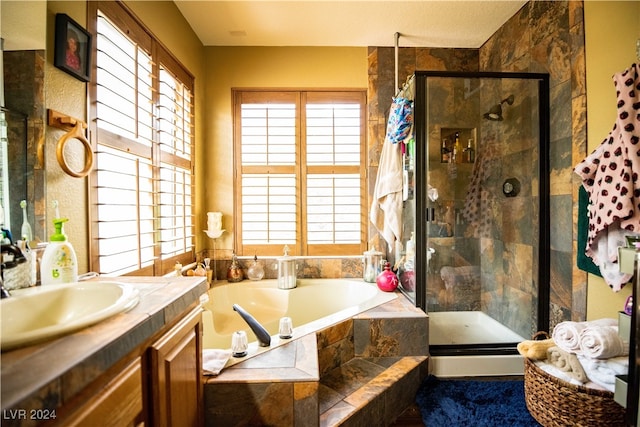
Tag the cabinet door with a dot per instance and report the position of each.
(118, 404)
(176, 375)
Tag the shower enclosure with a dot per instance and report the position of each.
(477, 206)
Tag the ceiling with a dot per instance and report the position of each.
(430, 23)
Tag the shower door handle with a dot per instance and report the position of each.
(430, 215)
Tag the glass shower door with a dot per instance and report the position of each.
(482, 186)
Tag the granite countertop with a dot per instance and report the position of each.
(45, 375)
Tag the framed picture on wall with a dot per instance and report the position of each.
(72, 52)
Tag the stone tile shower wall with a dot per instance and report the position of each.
(543, 37)
(548, 37)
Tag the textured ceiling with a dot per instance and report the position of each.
(431, 23)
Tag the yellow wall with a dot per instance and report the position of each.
(611, 31)
(258, 67)
(66, 94)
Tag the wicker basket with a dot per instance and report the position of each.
(556, 403)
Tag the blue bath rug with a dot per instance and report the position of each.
(449, 403)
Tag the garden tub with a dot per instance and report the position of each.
(313, 305)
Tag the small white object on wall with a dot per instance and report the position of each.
(214, 224)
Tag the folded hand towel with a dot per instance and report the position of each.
(535, 349)
(213, 360)
(603, 371)
(567, 334)
(552, 370)
(602, 342)
(567, 363)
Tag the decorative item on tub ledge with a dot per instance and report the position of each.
(234, 272)
(372, 265)
(387, 280)
(255, 270)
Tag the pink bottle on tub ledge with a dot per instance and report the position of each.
(387, 280)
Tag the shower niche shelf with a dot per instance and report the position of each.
(467, 138)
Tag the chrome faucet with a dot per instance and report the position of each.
(261, 333)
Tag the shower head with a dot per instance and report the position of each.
(495, 113)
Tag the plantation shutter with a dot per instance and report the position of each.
(300, 159)
(142, 220)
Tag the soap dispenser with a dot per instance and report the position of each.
(59, 263)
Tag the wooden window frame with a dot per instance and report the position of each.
(300, 97)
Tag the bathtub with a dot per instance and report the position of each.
(313, 305)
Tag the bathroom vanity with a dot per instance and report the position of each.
(141, 367)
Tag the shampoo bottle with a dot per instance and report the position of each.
(59, 263)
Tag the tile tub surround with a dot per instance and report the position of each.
(376, 359)
(313, 305)
(46, 375)
(309, 267)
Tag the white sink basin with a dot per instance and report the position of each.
(36, 314)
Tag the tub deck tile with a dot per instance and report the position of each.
(305, 402)
(327, 398)
(251, 404)
(352, 375)
(336, 414)
(379, 401)
(263, 375)
(279, 357)
(391, 337)
(292, 362)
(335, 333)
(307, 355)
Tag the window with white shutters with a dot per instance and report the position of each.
(300, 172)
(141, 190)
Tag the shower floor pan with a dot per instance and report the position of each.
(466, 332)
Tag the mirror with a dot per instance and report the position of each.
(22, 121)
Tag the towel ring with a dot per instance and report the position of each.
(75, 133)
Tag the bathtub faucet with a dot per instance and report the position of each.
(261, 333)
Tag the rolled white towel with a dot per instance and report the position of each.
(602, 342)
(603, 371)
(566, 334)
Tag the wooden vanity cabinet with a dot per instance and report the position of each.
(118, 404)
(160, 386)
(176, 375)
